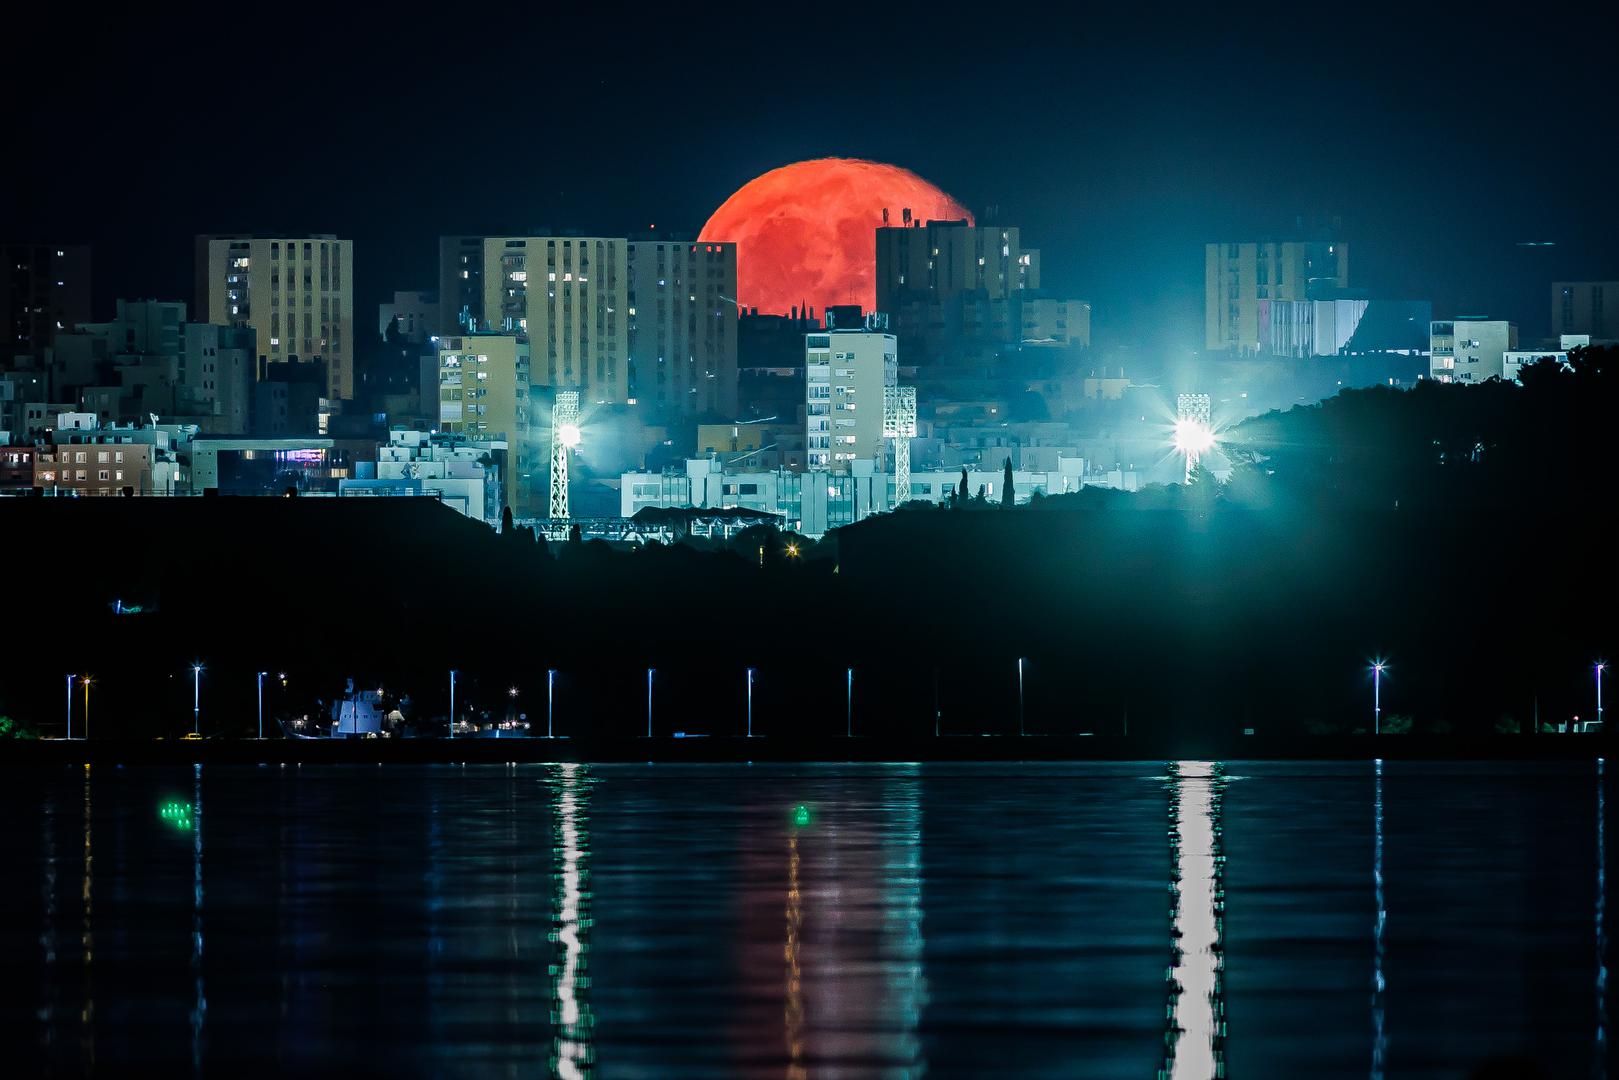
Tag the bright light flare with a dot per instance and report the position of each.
(570, 435)
(1193, 437)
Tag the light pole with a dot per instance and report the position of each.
(196, 699)
(1600, 665)
(550, 700)
(750, 703)
(85, 682)
(1378, 667)
(649, 673)
(70, 679)
(1020, 696)
(452, 703)
(848, 705)
(261, 703)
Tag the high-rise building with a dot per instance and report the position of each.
(417, 312)
(845, 373)
(568, 295)
(1236, 277)
(297, 293)
(682, 320)
(952, 287)
(484, 384)
(1469, 349)
(1586, 307)
(44, 289)
(460, 284)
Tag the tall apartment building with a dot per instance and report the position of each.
(1586, 307)
(953, 288)
(568, 295)
(44, 288)
(682, 324)
(1236, 277)
(845, 372)
(484, 385)
(460, 284)
(297, 293)
(1469, 349)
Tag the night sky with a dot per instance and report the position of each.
(1119, 144)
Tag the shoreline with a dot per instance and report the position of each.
(779, 749)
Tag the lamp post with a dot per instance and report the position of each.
(550, 700)
(848, 705)
(196, 699)
(85, 682)
(750, 703)
(649, 673)
(1378, 667)
(1020, 696)
(70, 679)
(1600, 665)
(452, 703)
(261, 703)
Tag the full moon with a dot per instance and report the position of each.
(805, 233)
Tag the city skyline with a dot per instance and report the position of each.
(1123, 147)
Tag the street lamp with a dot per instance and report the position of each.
(550, 700)
(650, 672)
(1020, 695)
(848, 705)
(1378, 667)
(85, 682)
(1194, 433)
(196, 699)
(262, 674)
(452, 703)
(750, 703)
(1601, 664)
(70, 679)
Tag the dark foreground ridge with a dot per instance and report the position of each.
(659, 749)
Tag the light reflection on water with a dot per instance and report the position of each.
(810, 921)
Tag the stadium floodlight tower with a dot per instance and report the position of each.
(899, 424)
(564, 437)
(1194, 434)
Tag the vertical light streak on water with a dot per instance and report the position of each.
(47, 931)
(908, 988)
(87, 941)
(1197, 1016)
(199, 1008)
(1379, 983)
(793, 1015)
(1600, 1068)
(571, 1049)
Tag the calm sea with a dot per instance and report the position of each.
(1120, 920)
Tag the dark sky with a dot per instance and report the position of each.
(1119, 143)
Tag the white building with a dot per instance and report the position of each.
(1513, 360)
(814, 502)
(461, 473)
(1469, 350)
(845, 373)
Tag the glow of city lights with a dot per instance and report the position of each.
(570, 435)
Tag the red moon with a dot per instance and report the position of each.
(805, 233)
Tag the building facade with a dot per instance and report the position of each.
(297, 293)
(682, 324)
(44, 290)
(1469, 350)
(1236, 277)
(1590, 308)
(417, 312)
(484, 383)
(845, 373)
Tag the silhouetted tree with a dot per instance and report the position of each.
(1007, 500)
(961, 492)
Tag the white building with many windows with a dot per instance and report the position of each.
(845, 373)
(1469, 349)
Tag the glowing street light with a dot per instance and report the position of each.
(848, 705)
(1600, 665)
(85, 682)
(262, 674)
(550, 700)
(750, 703)
(650, 672)
(70, 679)
(1020, 695)
(196, 699)
(565, 436)
(1378, 667)
(452, 703)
